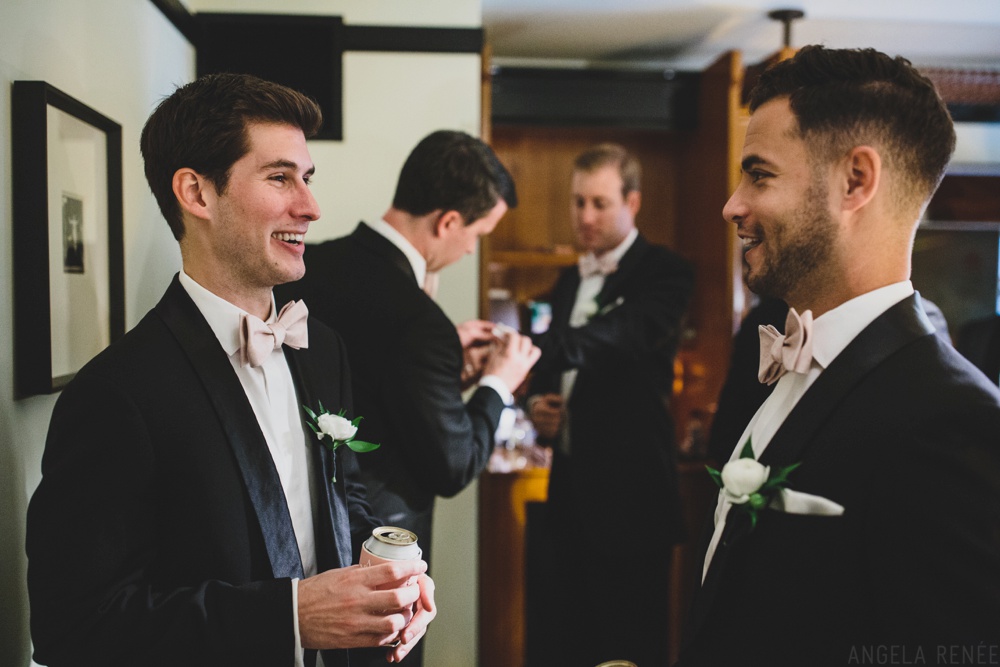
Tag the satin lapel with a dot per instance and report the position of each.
(564, 297)
(226, 394)
(629, 261)
(331, 552)
(901, 324)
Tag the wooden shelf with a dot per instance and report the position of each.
(532, 258)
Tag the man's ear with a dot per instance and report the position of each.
(194, 193)
(862, 174)
(633, 200)
(448, 221)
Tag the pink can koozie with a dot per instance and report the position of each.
(388, 544)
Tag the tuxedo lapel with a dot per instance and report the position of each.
(239, 422)
(898, 326)
(330, 551)
(614, 281)
(564, 297)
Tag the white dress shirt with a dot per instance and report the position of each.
(419, 265)
(271, 392)
(832, 332)
(583, 309)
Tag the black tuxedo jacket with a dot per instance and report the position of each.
(905, 434)
(159, 534)
(406, 362)
(621, 431)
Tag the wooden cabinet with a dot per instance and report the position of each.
(503, 507)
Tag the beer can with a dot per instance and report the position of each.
(388, 544)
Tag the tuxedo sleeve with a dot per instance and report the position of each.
(448, 441)
(647, 318)
(92, 543)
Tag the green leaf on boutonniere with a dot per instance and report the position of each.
(751, 485)
(328, 427)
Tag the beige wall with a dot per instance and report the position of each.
(121, 57)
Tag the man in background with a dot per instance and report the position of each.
(185, 514)
(600, 395)
(884, 537)
(408, 360)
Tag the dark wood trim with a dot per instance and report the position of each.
(182, 19)
(414, 40)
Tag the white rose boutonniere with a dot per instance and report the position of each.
(334, 430)
(748, 484)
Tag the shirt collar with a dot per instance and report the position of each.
(835, 329)
(223, 317)
(619, 250)
(413, 256)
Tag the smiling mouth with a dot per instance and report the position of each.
(294, 239)
(749, 243)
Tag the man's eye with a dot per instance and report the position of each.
(756, 176)
(281, 178)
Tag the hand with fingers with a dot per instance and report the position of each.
(367, 606)
(511, 357)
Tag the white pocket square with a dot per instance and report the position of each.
(797, 502)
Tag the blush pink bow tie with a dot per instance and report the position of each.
(259, 339)
(590, 265)
(790, 352)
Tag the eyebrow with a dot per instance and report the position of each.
(751, 161)
(286, 164)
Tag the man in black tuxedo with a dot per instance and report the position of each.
(186, 516)
(407, 358)
(600, 393)
(884, 546)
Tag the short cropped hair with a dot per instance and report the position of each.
(203, 126)
(843, 98)
(614, 155)
(453, 171)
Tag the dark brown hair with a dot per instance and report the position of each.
(453, 171)
(843, 98)
(203, 126)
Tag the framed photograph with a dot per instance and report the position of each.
(69, 279)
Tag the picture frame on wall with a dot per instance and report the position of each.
(68, 258)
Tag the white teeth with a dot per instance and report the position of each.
(749, 242)
(289, 238)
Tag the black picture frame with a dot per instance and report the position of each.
(69, 277)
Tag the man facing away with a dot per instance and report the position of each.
(600, 394)
(406, 356)
(886, 538)
(185, 515)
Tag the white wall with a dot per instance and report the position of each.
(118, 57)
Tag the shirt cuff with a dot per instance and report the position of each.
(499, 386)
(299, 652)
